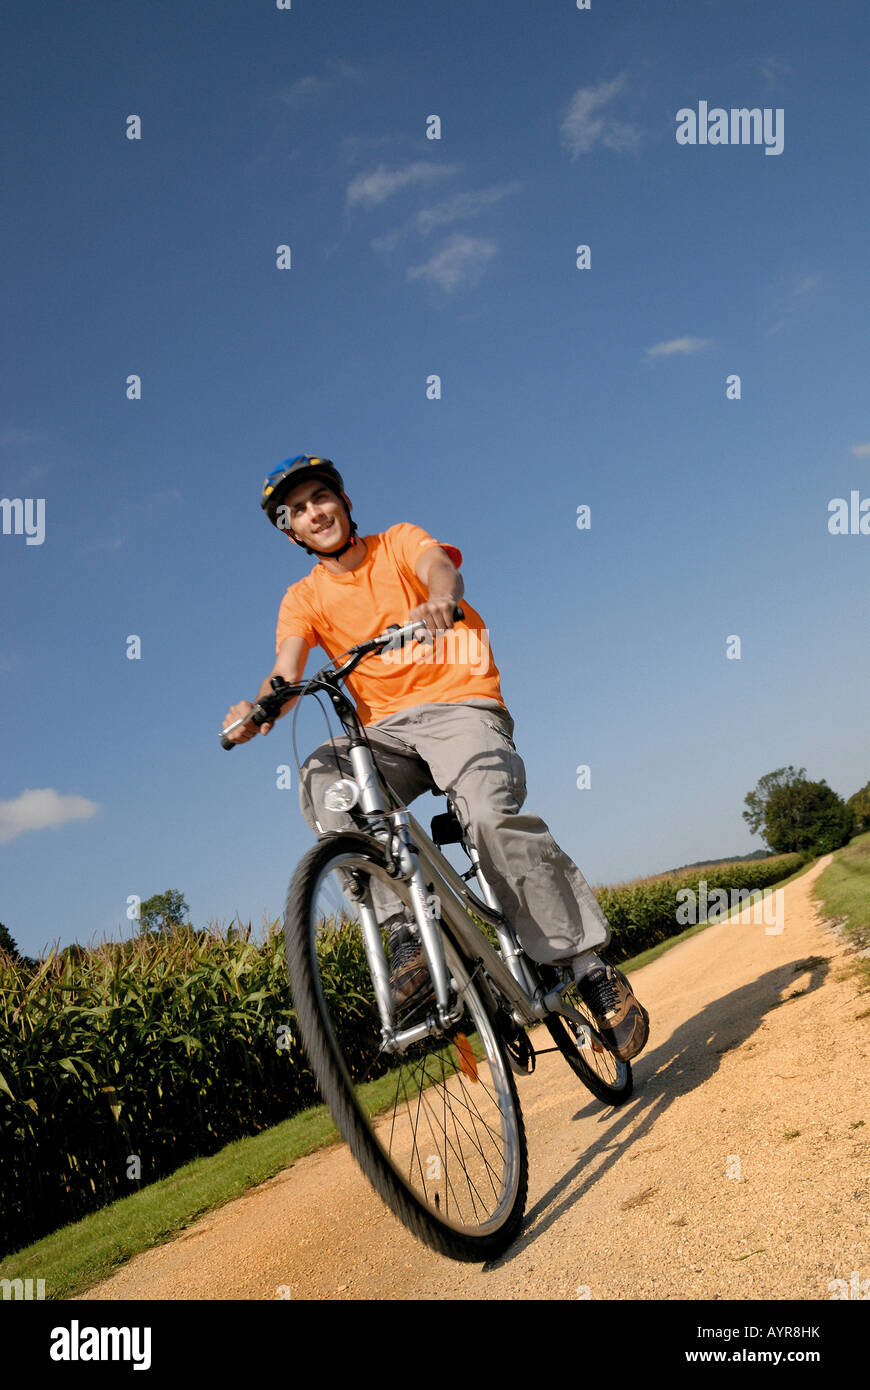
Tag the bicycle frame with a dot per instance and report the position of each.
(509, 970)
(417, 860)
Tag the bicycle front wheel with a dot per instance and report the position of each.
(436, 1129)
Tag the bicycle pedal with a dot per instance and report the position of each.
(586, 1040)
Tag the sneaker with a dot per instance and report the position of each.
(620, 1018)
(409, 973)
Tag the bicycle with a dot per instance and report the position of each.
(423, 1093)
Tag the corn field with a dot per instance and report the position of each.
(162, 1049)
(643, 913)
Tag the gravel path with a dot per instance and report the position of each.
(739, 1169)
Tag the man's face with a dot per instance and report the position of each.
(315, 515)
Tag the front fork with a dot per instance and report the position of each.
(402, 863)
(426, 917)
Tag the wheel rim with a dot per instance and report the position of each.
(443, 1113)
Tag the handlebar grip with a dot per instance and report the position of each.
(256, 717)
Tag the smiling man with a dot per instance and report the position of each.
(439, 725)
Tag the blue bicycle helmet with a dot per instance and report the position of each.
(288, 475)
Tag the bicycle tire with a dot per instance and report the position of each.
(609, 1079)
(414, 1198)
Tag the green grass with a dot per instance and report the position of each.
(843, 895)
(82, 1254)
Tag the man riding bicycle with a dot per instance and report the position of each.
(436, 721)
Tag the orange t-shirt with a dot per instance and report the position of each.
(336, 611)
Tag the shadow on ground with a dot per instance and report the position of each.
(685, 1060)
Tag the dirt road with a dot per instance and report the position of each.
(739, 1169)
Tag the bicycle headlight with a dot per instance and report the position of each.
(341, 795)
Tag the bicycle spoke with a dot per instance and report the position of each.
(490, 1169)
(475, 1140)
(425, 1107)
(471, 1107)
(605, 1075)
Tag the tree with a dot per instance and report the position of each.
(9, 944)
(757, 801)
(7, 941)
(792, 813)
(163, 911)
(859, 804)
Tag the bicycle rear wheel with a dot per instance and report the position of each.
(606, 1076)
(437, 1129)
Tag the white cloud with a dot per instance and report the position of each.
(303, 88)
(787, 295)
(454, 209)
(382, 183)
(104, 543)
(678, 345)
(861, 451)
(463, 205)
(169, 494)
(13, 436)
(462, 258)
(583, 126)
(390, 240)
(312, 87)
(774, 69)
(45, 809)
(804, 283)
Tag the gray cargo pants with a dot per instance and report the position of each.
(467, 751)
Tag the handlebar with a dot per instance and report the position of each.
(269, 707)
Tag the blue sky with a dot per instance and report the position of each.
(560, 387)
